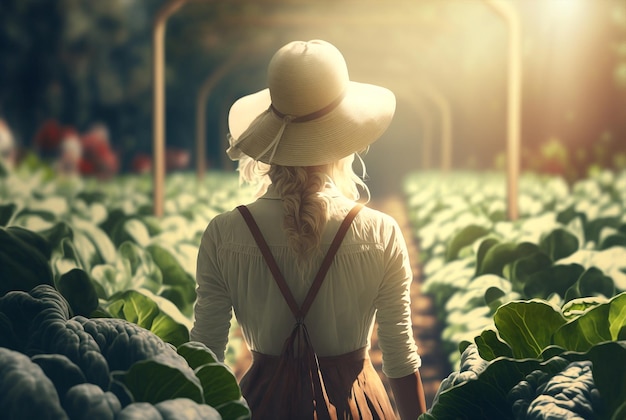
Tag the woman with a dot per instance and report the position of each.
(298, 139)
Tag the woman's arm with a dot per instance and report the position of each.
(395, 332)
(408, 393)
(213, 306)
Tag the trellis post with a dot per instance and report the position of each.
(514, 95)
(158, 122)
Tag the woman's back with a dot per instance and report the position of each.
(368, 273)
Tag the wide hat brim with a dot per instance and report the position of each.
(361, 117)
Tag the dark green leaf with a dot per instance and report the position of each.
(158, 379)
(78, 289)
(559, 243)
(57, 233)
(467, 236)
(594, 227)
(485, 245)
(569, 214)
(196, 354)
(490, 346)
(492, 297)
(144, 271)
(219, 384)
(555, 279)
(609, 374)
(617, 239)
(592, 282)
(235, 410)
(501, 254)
(523, 268)
(6, 213)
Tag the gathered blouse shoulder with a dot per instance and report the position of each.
(368, 281)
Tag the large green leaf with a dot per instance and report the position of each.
(235, 410)
(604, 322)
(499, 255)
(173, 272)
(77, 288)
(219, 384)
(617, 317)
(115, 217)
(91, 197)
(584, 332)
(473, 294)
(491, 347)
(105, 250)
(616, 239)
(467, 236)
(555, 279)
(559, 243)
(80, 252)
(521, 269)
(196, 354)
(485, 245)
(57, 233)
(609, 375)
(143, 269)
(140, 309)
(486, 397)
(592, 282)
(132, 229)
(6, 213)
(160, 378)
(594, 227)
(576, 307)
(112, 278)
(528, 326)
(182, 285)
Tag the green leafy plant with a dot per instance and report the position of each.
(103, 365)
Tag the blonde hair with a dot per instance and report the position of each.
(306, 206)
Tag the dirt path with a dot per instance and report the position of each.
(427, 330)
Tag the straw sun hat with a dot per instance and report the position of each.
(311, 113)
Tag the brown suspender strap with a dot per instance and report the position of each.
(299, 313)
(269, 258)
(328, 260)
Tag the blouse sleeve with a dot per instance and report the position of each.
(393, 304)
(213, 307)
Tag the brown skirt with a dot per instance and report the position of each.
(352, 384)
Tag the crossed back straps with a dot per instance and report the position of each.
(299, 312)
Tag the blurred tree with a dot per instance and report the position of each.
(84, 62)
(77, 61)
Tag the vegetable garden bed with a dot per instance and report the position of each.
(96, 299)
(534, 310)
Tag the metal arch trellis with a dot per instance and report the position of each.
(514, 99)
(159, 97)
(158, 120)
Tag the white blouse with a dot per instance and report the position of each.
(369, 279)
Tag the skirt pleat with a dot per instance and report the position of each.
(352, 384)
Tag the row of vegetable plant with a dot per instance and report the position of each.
(96, 295)
(538, 300)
